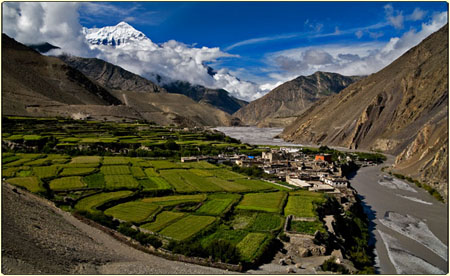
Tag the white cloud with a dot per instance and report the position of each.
(353, 59)
(359, 34)
(394, 17)
(37, 22)
(416, 15)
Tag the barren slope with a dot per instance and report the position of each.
(402, 109)
(281, 105)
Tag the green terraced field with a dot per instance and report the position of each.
(150, 172)
(162, 220)
(224, 233)
(86, 159)
(175, 200)
(76, 171)
(134, 211)
(267, 202)
(46, 171)
(95, 180)
(67, 183)
(115, 170)
(249, 246)
(160, 183)
(137, 172)
(90, 203)
(217, 204)
(30, 183)
(163, 164)
(10, 172)
(302, 205)
(113, 182)
(266, 222)
(39, 162)
(307, 227)
(187, 227)
(227, 174)
(186, 181)
(108, 160)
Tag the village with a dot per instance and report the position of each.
(313, 172)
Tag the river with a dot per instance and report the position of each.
(408, 226)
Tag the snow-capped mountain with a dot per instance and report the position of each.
(170, 61)
(117, 36)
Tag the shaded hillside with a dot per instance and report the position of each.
(402, 110)
(110, 75)
(216, 97)
(30, 80)
(281, 105)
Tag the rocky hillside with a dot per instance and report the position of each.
(110, 75)
(402, 110)
(281, 105)
(219, 98)
(37, 85)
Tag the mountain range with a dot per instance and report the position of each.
(401, 110)
(283, 104)
(37, 85)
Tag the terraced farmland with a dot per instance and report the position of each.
(162, 220)
(300, 204)
(135, 211)
(113, 182)
(217, 204)
(31, 183)
(267, 202)
(90, 203)
(67, 183)
(249, 246)
(115, 170)
(190, 225)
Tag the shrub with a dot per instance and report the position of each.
(331, 265)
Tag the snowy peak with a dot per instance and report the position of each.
(116, 36)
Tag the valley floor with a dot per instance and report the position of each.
(38, 238)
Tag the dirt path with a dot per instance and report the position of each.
(38, 238)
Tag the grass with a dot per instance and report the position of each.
(134, 211)
(267, 202)
(90, 203)
(248, 247)
(187, 227)
(67, 183)
(76, 171)
(137, 172)
(86, 159)
(108, 160)
(175, 200)
(217, 204)
(46, 171)
(30, 183)
(307, 227)
(115, 170)
(120, 181)
(96, 180)
(162, 220)
(150, 172)
(301, 204)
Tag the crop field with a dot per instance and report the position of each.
(150, 172)
(225, 233)
(86, 159)
(307, 227)
(190, 225)
(108, 160)
(25, 171)
(30, 183)
(10, 158)
(185, 181)
(10, 172)
(113, 182)
(162, 220)
(76, 171)
(90, 203)
(175, 200)
(255, 184)
(67, 183)
(115, 170)
(39, 162)
(134, 211)
(217, 204)
(96, 180)
(226, 174)
(249, 246)
(164, 164)
(199, 165)
(80, 165)
(137, 172)
(267, 202)
(17, 163)
(266, 222)
(301, 205)
(46, 171)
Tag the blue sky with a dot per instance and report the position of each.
(254, 30)
(262, 43)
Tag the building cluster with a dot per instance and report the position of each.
(315, 173)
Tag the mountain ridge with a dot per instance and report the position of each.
(283, 103)
(401, 110)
